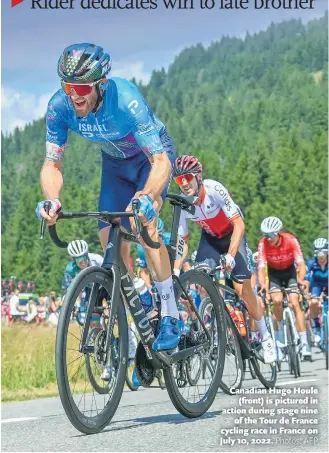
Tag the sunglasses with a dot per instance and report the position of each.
(321, 252)
(80, 89)
(81, 259)
(188, 177)
(270, 235)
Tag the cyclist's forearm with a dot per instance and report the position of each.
(262, 276)
(159, 176)
(301, 270)
(236, 237)
(51, 179)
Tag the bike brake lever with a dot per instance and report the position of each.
(46, 207)
(135, 205)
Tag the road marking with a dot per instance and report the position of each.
(296, 381)
(22, 419)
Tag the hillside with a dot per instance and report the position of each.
(254, 111)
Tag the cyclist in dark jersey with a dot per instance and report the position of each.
(137, 158)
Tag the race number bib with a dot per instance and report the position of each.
(180, 248)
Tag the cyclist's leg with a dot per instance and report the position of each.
(117, 189)
(171, 325)
(293, 298)
(315, 310)
(275, 284)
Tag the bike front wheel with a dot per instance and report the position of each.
(89, 401)
(194, 400)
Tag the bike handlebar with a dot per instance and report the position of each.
(212, 270)
(102, 215)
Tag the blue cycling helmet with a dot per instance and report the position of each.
(160, 226)
(83, 63)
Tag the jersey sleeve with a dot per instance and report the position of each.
(183, 227)
(230, 209)
(141, 118)
(56, 137)
(298, 254)
(261, 254)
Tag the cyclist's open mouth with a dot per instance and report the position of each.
(80, 104)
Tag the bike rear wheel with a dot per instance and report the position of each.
(194, 400)
(68, 352)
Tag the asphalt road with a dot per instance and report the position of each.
(146, 420)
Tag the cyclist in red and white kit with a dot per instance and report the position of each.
(222, 234)
(281, 252)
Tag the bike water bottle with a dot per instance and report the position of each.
(144, 294)
(241, 323)
(233, 314)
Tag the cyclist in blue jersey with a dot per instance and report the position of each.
(137, 158)
(317, 276)
(78, 251)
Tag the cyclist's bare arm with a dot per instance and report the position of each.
(262, 277)
(301, 270)
(237, 235)
(51, 180)
(159, 175)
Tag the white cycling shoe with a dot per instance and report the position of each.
(306, 350)
(269, 350)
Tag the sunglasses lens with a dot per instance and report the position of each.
(271, 235)
(188, 178)
(81, 259)
(81, 90)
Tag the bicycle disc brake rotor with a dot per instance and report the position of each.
(144, 369)
(99, 350)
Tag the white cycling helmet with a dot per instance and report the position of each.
(77, 248)
(320, 243)
(271, 225)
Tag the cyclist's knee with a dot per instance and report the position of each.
(314, 302)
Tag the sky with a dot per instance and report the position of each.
(138, 40)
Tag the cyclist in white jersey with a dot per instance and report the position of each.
(223, 233)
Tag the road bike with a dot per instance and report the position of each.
(91, 411)
(292, 343)
(238, 348)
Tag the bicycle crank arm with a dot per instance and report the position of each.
(189, 352)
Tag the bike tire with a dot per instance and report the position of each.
(229, 388)
(193, 410)
(293, 356)
(309, 335)
(325, 338)
(94, 424)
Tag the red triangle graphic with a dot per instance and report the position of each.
(16, 2)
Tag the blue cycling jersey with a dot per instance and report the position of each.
(315, 274)
(124, 126)
(72, 269)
